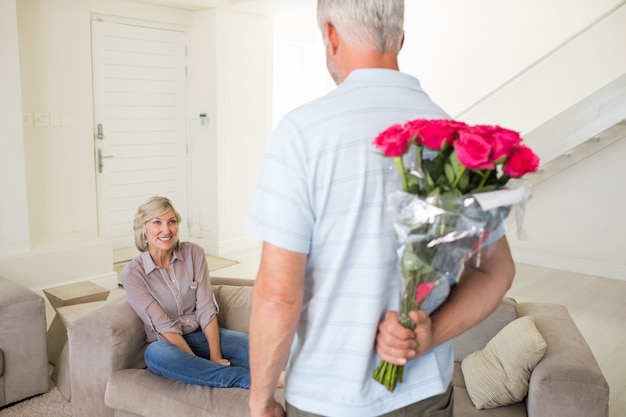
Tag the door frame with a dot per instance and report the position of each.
(183, 203)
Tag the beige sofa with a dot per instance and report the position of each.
(567, 381)
(109, 378)
(23, 343)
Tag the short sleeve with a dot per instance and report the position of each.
(280, 212)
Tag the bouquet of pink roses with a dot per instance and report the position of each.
(453, 177)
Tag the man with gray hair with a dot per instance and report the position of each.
(327, 292)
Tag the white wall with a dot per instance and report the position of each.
(231, 79)
(202, 75)
(462, 50)
(14, 232)
(575, 220)
(244, 91)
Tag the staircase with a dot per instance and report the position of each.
(570, 106)
(569, 96)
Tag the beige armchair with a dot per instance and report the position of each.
(23, 343)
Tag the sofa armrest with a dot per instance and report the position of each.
(101, 342)
(568, 380)
(23, 343)
(239, 282)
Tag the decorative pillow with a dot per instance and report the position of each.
(234, 306)
(499, 373)
(478, 336)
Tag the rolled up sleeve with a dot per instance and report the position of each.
(206, 304)
(154, 317)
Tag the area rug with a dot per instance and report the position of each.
(214, 263)
(50, 404)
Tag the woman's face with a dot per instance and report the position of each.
(162, 231)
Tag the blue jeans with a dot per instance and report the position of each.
(168, 360)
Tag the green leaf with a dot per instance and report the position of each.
(503, 180)
(412, 179)
(429, 181)
(434, 192)
(464, 181)
(410, 262)
(455, 162)
(485, 189)
(450, 174)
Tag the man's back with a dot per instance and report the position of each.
(323, 193)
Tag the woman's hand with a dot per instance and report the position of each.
(221, 361)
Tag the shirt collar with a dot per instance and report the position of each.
(149, 265)
(381, 76)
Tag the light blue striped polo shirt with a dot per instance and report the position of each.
(322, 192)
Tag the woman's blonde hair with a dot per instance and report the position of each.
(153, 207)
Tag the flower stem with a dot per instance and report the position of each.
(389, 375)
(400, 166)
(458, 177)
(484, 180)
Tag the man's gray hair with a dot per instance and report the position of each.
(374, 23)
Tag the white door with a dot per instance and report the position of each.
(139, 124)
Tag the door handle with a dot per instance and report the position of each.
(100, 158)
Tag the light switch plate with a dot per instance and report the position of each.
(27, 120)
(66, 119)
(42, 119)
(55, 119)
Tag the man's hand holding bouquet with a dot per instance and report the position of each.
(453, 196)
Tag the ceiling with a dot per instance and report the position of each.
(256, 6)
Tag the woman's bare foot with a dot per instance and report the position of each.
(281, 380)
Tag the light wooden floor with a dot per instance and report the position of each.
(597, 305)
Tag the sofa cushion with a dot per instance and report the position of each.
(234, 303)
(463, 406)
(478, 336)
(138, 391)
(499, 374)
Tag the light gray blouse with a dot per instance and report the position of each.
(177, 300)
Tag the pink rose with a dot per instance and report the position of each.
(503, 143)
(502, 140)
(473, 151)
(434, 133)
(522, 161)
(423, 291)
(393, 141)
